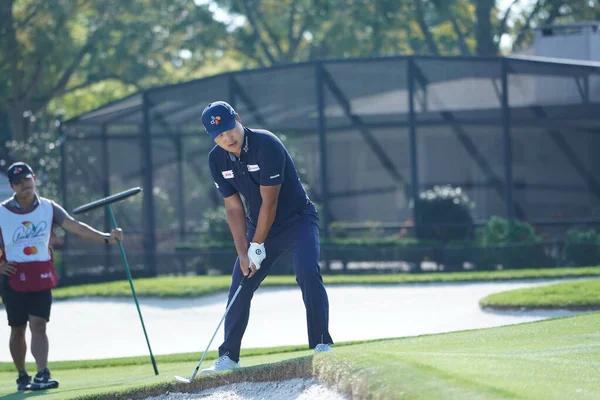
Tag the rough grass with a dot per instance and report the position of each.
(579, 295)
(552, 359)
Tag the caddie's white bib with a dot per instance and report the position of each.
(27, 236)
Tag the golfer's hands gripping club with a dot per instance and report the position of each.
(256, 255)
(245, 266)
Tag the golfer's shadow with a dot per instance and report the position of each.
(25, 394)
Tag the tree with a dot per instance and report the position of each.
(52, 47)
(297, 30)
(286, 31)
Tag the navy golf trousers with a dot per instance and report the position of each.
(302, 239)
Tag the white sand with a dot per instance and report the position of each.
(293, 389)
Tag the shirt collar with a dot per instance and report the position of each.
(36, 201)
(245, 146)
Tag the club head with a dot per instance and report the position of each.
(182, 379)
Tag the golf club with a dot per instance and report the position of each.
(185, 380)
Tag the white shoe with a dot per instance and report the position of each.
(223, 363)
(323, 348)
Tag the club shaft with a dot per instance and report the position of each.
(214, 334)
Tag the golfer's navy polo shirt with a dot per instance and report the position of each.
(264, 161)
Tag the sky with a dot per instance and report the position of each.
(506, 41)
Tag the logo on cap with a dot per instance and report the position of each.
(215, 120)
(17, 170)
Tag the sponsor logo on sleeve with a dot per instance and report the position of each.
(227, 174)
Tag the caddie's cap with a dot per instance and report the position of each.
(18, 171)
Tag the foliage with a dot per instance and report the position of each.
(512, 244)
(42, 152)
(370, 229)
(291, 31)
(217, 228)
(52, 47)
(444, 214)
(582, 247)
(296, 30)
(500, 230)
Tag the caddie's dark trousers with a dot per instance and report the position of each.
(302, 239)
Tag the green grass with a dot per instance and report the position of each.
(553, 359)
(194, 286)
(581, 295)
(144, 360)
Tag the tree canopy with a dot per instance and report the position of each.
(77, 54)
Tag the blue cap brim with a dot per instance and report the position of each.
(18, 178)
(222, 128)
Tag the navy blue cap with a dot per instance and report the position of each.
(18, 171)
(217, 118)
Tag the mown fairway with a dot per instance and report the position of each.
(553, 359)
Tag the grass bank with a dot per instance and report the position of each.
(580, 295)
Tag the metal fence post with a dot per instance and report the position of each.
(507, 140)
(412, 138)
(106, 189)
(62, 137)
(148, 197)
(321, 126)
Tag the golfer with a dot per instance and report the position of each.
(255, 164)
(27, 274)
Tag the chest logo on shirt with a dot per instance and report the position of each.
(227, 174)
(253, 167)
(29, 230)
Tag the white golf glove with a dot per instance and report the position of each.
(256, 254)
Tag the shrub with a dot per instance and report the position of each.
(217, 229)
(582, 247)
(511, 244)
(440, 207)
(499, 230)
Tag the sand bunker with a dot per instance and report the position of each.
(293, 389)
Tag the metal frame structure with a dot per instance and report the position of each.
(151, 120)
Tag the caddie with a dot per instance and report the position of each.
(27, 273)
(280, 217)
